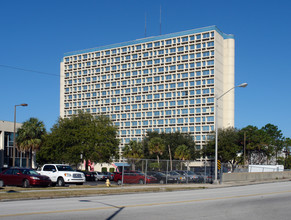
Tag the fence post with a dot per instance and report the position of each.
(122, 173)
(187, 171)
(204, 178)
(221, 173)
(167, 172)
(145, 175)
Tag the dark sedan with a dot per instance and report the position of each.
(23, 177)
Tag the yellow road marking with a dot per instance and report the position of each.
(144, 205)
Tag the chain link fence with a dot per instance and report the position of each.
(149, 171)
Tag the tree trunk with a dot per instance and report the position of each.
(27, 159)
(30, 155)
(158, 161)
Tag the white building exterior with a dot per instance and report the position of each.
(165, 83)
(6, 145)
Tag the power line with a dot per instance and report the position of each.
(28, 70)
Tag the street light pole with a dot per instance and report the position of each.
(14, 132)
(216, 129)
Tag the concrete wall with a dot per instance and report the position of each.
(240, 177)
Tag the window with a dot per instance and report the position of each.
(181, 84)
(172, 85)
(168, 42)
(172, 67)
(184, 57)
(184, 39)
(206, 54)
(180, 49)
(210, 44)
(206, 35)
(172, 103)
(149, 62)
(172, 50)
(181, 66)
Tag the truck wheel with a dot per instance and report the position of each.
(141, 182)
(60, 181)
(25, 183)
(161, 181)
(119, 182)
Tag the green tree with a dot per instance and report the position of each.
(157, 147)
(81, 137)
(183, 153)
(228, 146)
(30, 137)
(276, 139)
(133, 152)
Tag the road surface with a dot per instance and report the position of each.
(261, 201)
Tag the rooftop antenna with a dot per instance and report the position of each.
(160, 19)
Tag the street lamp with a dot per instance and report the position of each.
(14, 144)
(216, 127)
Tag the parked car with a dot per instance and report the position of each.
(98, 176)
(108, 175)
(205, 177)
(23, 177)
(88, 175)
(190, 175)
(134, 177)
(61, 174)
(176, 176)
(161, 177)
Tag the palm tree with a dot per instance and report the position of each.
(182, 153)
(30, 137)
(134, 152)
(156, 146)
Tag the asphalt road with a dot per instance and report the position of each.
(261, 201)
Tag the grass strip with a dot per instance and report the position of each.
(14, 193)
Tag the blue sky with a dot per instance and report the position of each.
(35, 35)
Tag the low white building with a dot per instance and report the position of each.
(6, 146)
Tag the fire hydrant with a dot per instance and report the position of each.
(108, 183)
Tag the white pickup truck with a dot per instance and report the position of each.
(61, 174)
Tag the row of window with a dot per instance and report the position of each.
(147, 106)
(144, 88)
(196, 138)
(146, 54)
(117, 77)
(151, 70)
(141, 46)
(205, 128)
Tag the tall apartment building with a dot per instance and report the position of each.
(165, 83)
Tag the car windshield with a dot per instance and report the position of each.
(64, 168)
(29, 172)
(173, 173)
(161, 174)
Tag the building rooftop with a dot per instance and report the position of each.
(153, 38)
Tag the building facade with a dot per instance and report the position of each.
(6, 146)
(164, 83)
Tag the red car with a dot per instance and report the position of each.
(133, 177)
(23, 177)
